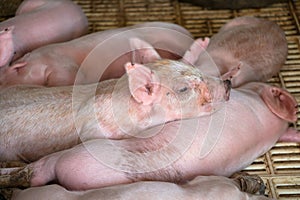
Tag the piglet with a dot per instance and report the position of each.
(94, 57)
(254, 119)
(37, 23)
(257, 46)
(200, 188)
(36, 121)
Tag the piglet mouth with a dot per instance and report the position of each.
(227, 85)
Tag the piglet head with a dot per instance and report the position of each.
(178, 89)
(161, 90)
(280, 102)
(23, 71)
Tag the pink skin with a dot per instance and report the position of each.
(148, 95)
(197, 48)
(60, 68)
(200, 188)
(258, 46)
(262, 113)
(37, 23)
(58, 64)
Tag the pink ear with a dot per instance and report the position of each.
(193, 53)
(280, 102)
(143, 83)
(232, 73)
(143, 52)
(6, 46)
(18, 65)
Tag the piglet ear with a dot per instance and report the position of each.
(280, 102)
(143, 83)
(18, 65)
(6, 46)
(234, 72)
(143, 52)
(192, 54)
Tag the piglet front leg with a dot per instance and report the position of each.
(291, 135)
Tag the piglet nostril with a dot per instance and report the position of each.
(227, 85)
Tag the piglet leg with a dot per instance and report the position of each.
(191, 55)
(291, 135)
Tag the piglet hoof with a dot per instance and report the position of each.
(6, 193)
(249, 183)
(18, 177)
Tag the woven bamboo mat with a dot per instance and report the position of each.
(280, 167)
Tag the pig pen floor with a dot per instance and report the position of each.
(280, 167)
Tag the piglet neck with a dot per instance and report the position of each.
(113, 112)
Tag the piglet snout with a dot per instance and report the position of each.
(227, 85)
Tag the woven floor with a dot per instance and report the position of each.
(280, 167)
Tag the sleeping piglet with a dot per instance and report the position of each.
(103, 52)
(254, 119)
(36, 121)
(200, 188)
(37, 23)
(257, 46)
